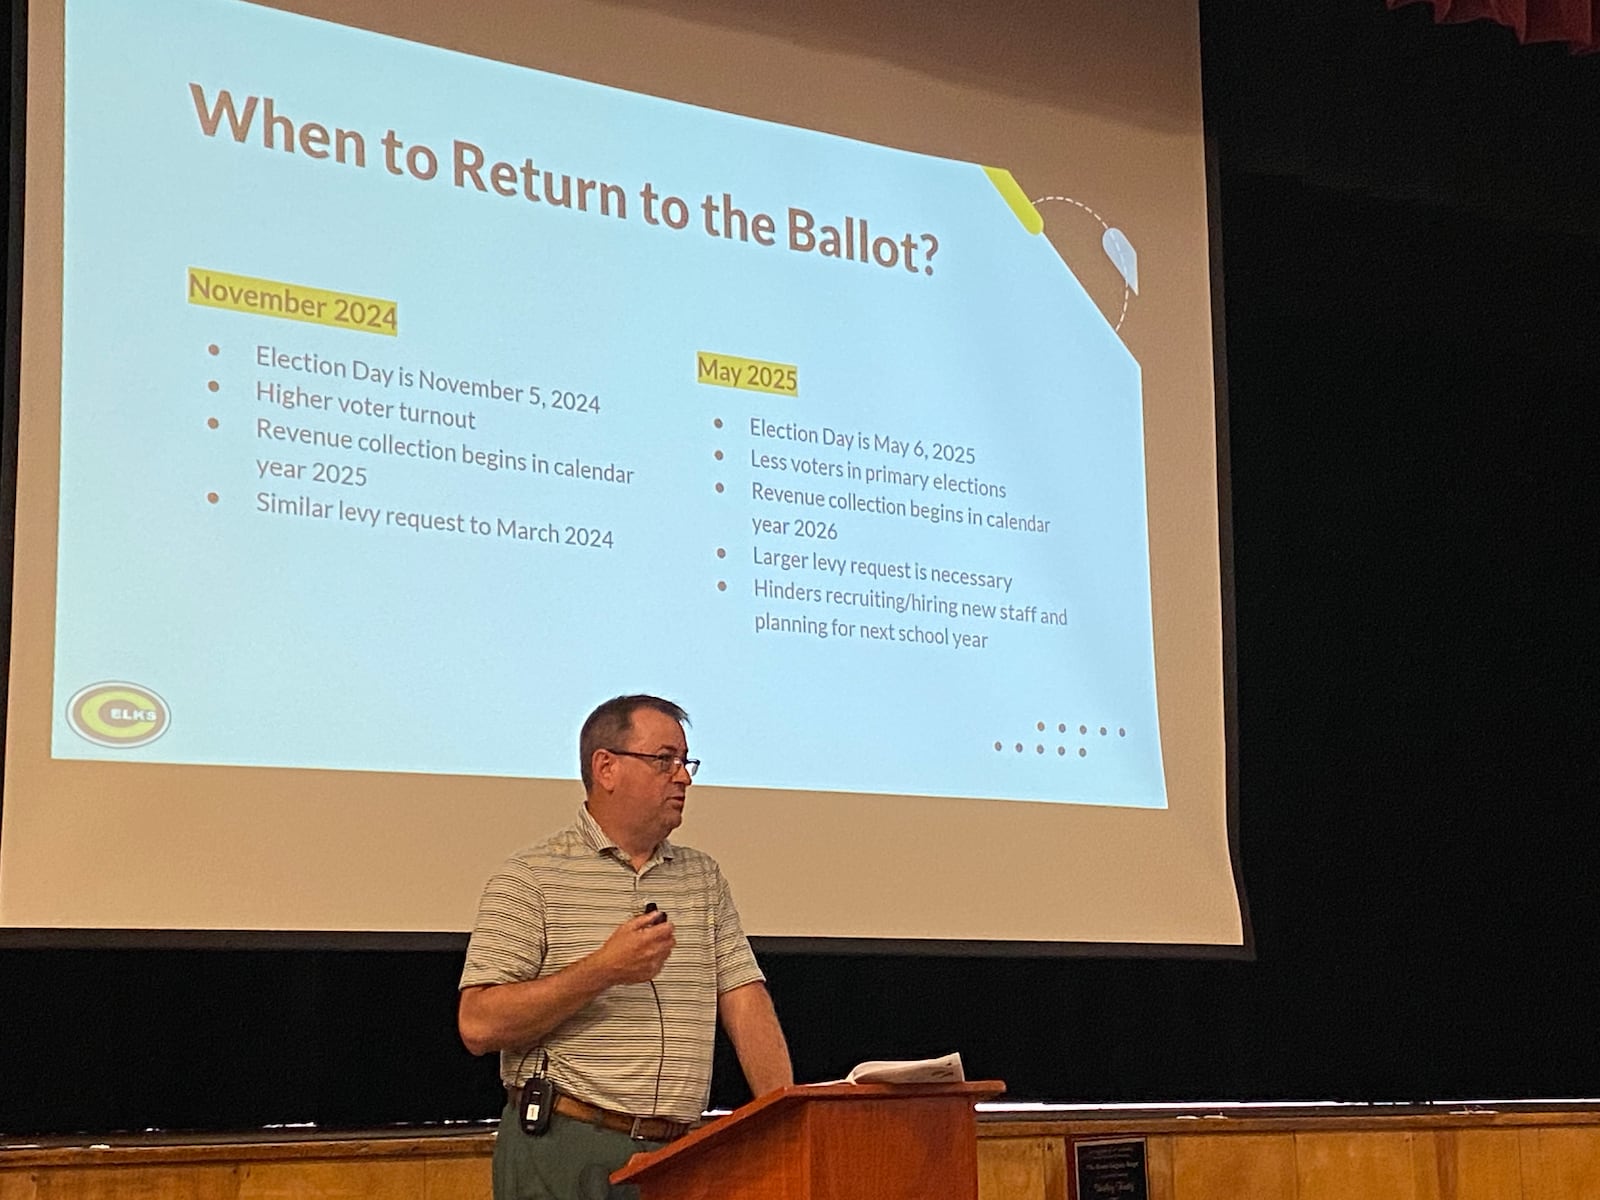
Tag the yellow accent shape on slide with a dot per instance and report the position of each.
(292, 302)
(746, 374)
(1011, 192)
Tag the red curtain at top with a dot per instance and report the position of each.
(1576, 22)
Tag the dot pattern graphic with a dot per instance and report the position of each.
(1084, 731)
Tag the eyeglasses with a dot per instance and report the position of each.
(667, 764)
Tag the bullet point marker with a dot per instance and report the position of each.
(212, 386)
(721, 553)
(717, 456)
(211, 422)
(717, 422)
(211, 497)
(722, 585)
(719, 487)
(212, 350)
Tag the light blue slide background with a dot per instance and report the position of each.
(283, 641)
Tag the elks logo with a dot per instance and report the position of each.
(121, 715)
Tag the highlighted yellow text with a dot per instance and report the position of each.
(292, 302)
(748, 374)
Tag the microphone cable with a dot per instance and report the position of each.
(661, 1057)
(661, 1027)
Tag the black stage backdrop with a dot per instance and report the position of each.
(1411, 248)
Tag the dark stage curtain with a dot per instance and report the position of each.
(1576, 22)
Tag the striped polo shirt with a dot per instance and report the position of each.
(555, 902)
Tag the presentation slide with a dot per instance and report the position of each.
(398, 386)
(462, 404)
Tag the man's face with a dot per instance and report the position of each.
(645, 795)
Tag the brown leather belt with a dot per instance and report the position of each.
(644, 1129)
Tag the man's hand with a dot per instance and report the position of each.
(637, 949)
(506, 1016)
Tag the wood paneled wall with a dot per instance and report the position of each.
(1458, 1156)
(1462, 1156)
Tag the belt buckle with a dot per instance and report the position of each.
(634, 1132)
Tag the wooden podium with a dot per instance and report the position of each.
(834, 1141)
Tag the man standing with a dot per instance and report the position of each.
(602, 959)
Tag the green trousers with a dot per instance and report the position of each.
(547, 1167)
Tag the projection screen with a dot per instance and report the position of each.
(398, 381)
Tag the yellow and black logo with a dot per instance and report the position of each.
(121, 715)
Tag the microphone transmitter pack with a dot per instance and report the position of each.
(538, 1101)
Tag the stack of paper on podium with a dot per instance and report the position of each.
(946, 1069)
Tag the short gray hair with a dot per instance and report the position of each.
(611, 722)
